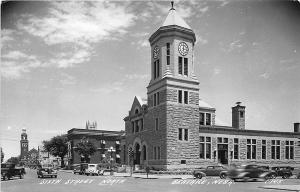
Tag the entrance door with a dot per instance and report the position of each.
(223, 153)
(137, 159)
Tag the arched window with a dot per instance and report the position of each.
(136, 111)
(144, 153)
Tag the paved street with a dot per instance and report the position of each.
(69, 182)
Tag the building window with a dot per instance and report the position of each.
(186, 64)
(183, 134)
(183, 162)
(156, 69)
(156, 124)
(179, 96)
(275, 149)
(205, 147)
(186, 134)
(154, 151)
(289, 149)
(180, 65)
(142, 124)
(168, 53)
(241, 114)
(202, 150)
(263, 149)
(201, 119)
(225, 140)
(208, 147)
(156, 99)
(208, 119)
(158, 152)
(136, 126)
(236, 148)
(132, 126)
(251, 148)
(186, 97)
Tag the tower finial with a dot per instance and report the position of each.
(172, 5)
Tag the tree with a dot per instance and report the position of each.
(2, 155)
(57, 146)
(85, 149)
(14, 160)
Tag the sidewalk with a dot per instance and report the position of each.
(283, 187)
(142, 176)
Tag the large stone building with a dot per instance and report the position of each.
(173, 129)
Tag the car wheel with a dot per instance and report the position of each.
(223, 176)
(273, 176)
(21, 176)
(285, 176)
(199, 176)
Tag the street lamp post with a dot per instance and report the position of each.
(111, 150)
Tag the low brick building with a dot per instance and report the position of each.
(174, 129)
(103, 141)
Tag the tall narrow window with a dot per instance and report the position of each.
(263, 149)
(208, 147)
(202, 152)
(208, 119)
(275, 149)
(142, 124)
(236, 149)
(186, 64)
(132, 126)
(156, 124)
(186, 97)
(179, 96)
(180, 134)
(180, 65)
(186, 134)
(154, 152)
(156, 69)
(158, 152)
(201, 119)
(168, 53)
(251, 148)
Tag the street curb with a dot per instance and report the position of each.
(282, 187)
(137, 176)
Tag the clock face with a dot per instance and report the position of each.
(183, 48)
(155, 52)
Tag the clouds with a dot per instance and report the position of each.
(70, 29)
(14, 63)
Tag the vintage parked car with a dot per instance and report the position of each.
(94, 169)
(246, 172)
(80, 168)
(284, 171)
(46, 171)
(211, 171)
(9, 170)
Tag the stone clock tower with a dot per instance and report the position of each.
(24, 145)
(173, 93)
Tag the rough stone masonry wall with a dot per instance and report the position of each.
(182, 116)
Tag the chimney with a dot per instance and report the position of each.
(238, 116)
(297, 127)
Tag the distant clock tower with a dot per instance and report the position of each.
(24, 145)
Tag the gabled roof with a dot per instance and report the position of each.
(174, 19)
(203, 104)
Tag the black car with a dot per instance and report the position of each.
(283, 171)
(211, 171)
(9, 170)
(247, 172)
(46, 171)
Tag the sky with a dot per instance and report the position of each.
(64, 63)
